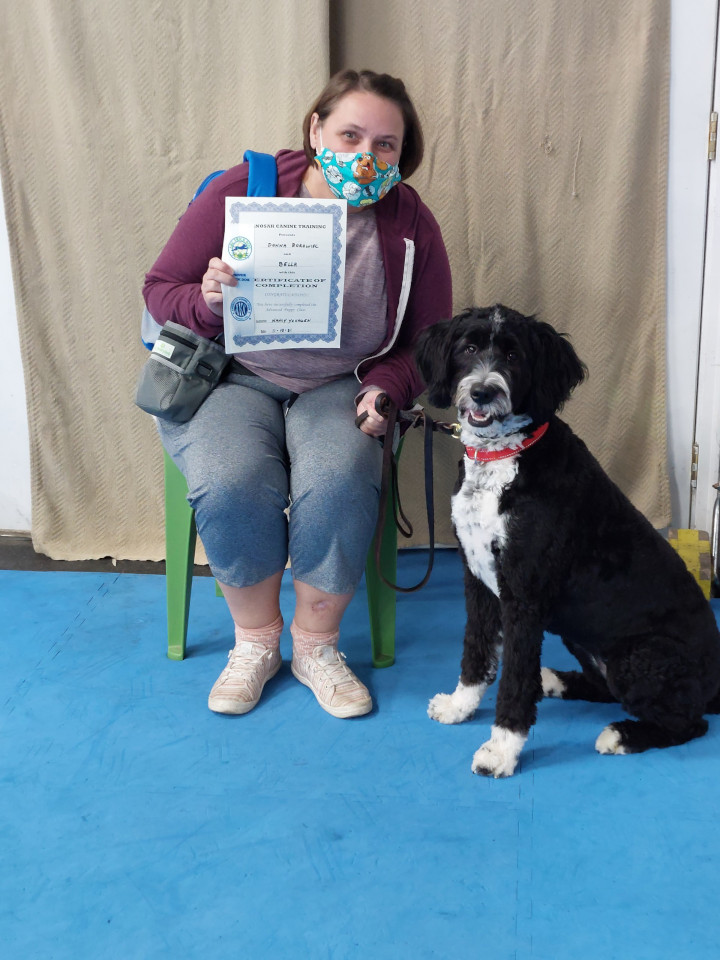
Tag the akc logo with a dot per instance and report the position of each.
(240, 308)
(239, 248)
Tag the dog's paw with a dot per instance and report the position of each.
(444, 708)
(499, 756)
(552, 685)
(458, 706)
(610, 741)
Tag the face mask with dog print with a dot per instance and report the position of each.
(359, 178)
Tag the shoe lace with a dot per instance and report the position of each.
(240, 660)
(332, 664)
(330, 659)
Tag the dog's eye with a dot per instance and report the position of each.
(511, 356)
(470, 348)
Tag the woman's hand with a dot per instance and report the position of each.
(374, 425)
(217, 273)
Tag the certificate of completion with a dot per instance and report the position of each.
(288, 257)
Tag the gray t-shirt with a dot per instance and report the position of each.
(364, 320)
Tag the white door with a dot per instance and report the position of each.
(707, 422)
(693, 282)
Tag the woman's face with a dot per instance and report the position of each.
(361, 122)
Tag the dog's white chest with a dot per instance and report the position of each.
(478, 524)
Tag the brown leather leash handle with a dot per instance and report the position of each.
(382, 406)
(414, 418)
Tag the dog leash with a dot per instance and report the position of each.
(412, 419)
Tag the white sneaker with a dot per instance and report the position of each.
(335, 686)
(238, 688)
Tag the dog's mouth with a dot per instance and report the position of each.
(489, 424)
(478, 418)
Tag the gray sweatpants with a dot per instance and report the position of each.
(253, 449)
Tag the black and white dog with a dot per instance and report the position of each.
(550, 543)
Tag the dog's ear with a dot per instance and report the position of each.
(432, 355)
(556, 370)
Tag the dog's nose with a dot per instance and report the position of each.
(482, 395)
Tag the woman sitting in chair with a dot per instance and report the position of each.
(279, 430)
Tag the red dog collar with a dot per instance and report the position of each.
(475, 453)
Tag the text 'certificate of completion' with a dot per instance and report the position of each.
(288, 257)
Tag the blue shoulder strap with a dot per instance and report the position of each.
(262, 182)
(262, 175)
(206, 181)
(262, 179)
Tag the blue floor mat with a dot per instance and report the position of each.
(135, 823)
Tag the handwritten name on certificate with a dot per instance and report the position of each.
(288, 257)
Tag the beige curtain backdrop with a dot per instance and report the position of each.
(111, 113)
(546, 167)
(546, 125)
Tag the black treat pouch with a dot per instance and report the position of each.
(180, 372)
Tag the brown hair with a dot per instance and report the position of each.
(382, 85)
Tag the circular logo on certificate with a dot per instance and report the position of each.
(239, 248)
(240, 308)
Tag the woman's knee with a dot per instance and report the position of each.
(237, 489)
(242, 523)
(336, 499)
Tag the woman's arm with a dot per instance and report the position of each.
(430, 300)
(173, 288)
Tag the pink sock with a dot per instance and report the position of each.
(304, 643)
(268, 636)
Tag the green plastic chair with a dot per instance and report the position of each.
(180, 538)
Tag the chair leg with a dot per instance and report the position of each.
(180, 537)
(381, 598)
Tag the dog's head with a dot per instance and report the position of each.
(501, 369)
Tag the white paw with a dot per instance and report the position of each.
(499, 756)
(610, 742)
(552, 685)
(458, 706)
